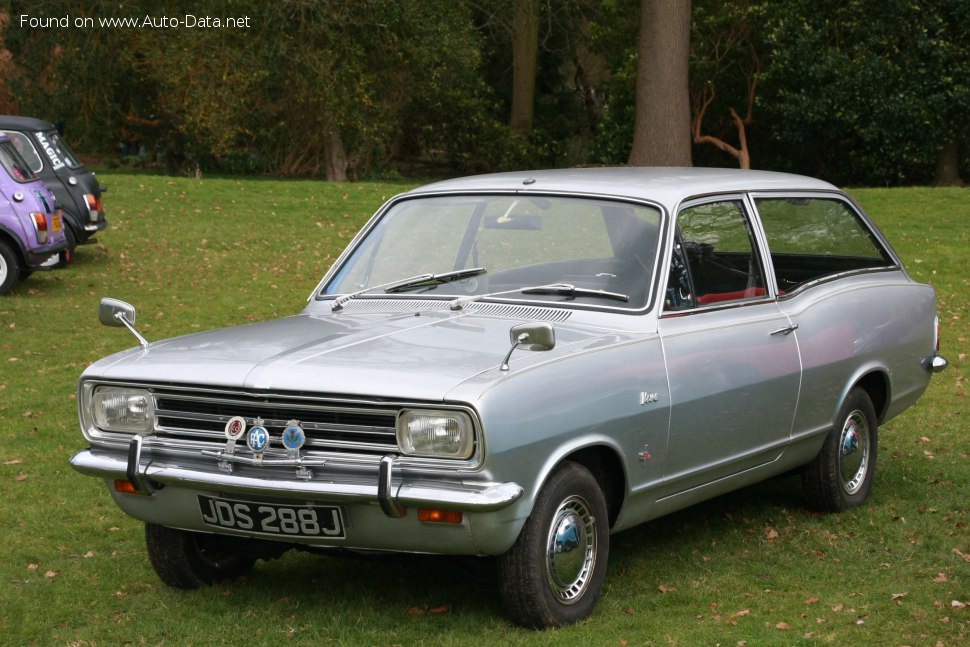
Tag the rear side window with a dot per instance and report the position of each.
(815, 238)
(26, 149)
(14, 164)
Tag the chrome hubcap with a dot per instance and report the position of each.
(571, 550)
(854, 452)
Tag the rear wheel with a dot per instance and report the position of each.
(841, 475)
(188, 560)
(553, 574)
(9, 268)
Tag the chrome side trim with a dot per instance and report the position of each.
(486, 497)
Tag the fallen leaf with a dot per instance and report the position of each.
(771, 533)
(15, 461)
(414, 611)
(32, 566)
(20, 477)
(896, 597)
(940, 579)
(50, 574)
(957, 604)
(783, 626)
(811, 601)
(89, 554)
(439, 609)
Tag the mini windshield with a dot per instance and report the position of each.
(14, 164)
(510, 247)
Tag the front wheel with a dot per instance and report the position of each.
(841, 475)
(188, 560)
(553, 574)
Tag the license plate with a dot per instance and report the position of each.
(320, 521)
(56, 226)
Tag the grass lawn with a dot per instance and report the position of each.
(750, 568)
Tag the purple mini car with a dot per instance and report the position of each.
(31, 225)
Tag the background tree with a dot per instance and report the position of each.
(725, 70)
(661, 133)
(868, 91)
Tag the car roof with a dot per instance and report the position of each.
(16, 122)
(667, 185)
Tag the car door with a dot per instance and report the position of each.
(732, 360)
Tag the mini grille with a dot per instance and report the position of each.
(329, 425)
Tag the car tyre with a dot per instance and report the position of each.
(841, 475)
(10, 268)
(553, 574)
(188, 560)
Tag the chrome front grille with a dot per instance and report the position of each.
(330, 425)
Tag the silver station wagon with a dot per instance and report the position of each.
(519, 365)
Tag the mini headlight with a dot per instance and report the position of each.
(436, 434)
(123, 409)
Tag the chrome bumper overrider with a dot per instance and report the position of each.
(393, 497)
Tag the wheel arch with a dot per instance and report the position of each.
(606, 467)
(876, 385)
(14, 242)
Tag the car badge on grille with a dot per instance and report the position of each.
(293, 438)
(258, 438)
(235, 428)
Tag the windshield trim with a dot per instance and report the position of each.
(318, 295)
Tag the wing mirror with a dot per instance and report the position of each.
(531, 336)
(117, 313)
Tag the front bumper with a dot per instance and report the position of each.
(387, 491)
(378, 503)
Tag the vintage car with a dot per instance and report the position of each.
(31, 224)
(76, 189)
(519, 365)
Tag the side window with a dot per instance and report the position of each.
(811, 238)
(26, 149)
(715, 258)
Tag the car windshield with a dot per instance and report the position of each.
(583, 251)
(14, 164)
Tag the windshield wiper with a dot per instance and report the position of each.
(436, 279)
(572, 291)
(551, 288)
(419, 279)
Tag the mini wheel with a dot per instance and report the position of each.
(841, 475)
(10, 268)
(188, 560)
(553, 574)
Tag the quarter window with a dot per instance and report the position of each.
(26, 149)
(812, 238)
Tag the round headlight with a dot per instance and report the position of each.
(123, 409)
(435, 434)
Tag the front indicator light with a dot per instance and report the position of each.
(123, 409)
(429, 515)
(435, 434)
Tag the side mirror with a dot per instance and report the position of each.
(532, 336)
(538, 336)
(110, 312)
(116, 313)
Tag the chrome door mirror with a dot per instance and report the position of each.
(114, 312)
(531, 336)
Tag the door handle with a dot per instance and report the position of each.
(786, 330)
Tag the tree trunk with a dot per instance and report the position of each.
(948, 166)
(525, 53)
(335, 157)
(662, 128)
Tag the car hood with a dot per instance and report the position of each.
(418, 355)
